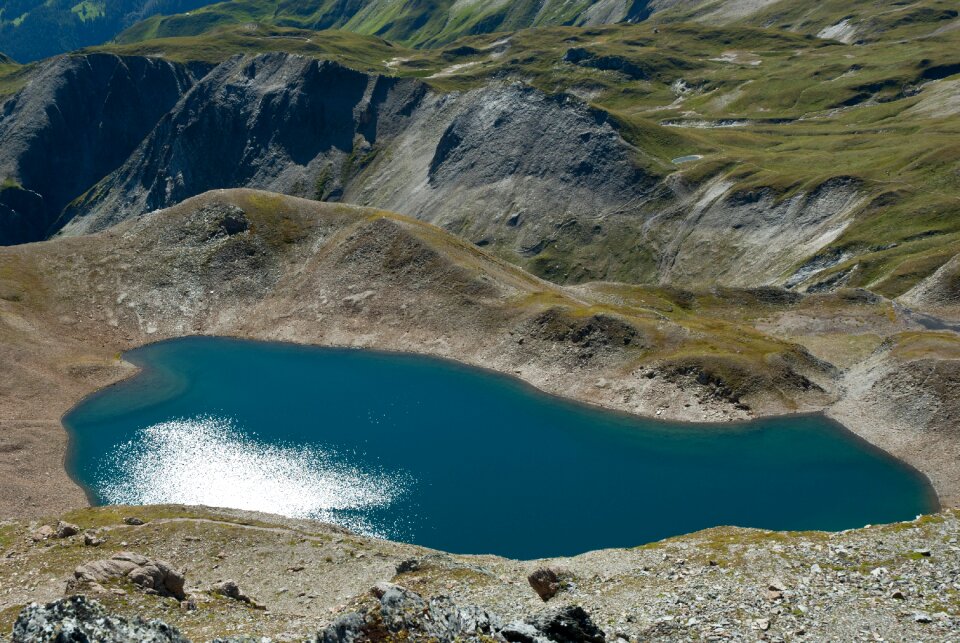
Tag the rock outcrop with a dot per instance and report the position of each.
(79, 619)
(286, 123)
(405, 614)
(519, 164)
(153, 576)
(400, 615)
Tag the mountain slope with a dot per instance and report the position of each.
(799, 182)
(418, 23)
(77, 120)
(34, 29)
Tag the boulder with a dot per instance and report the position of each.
(230, 589)
(570, 624)
(545, 583)
(43, 533)
(153, 576)
(66, 529)
(408, 565)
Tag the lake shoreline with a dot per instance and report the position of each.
(69, 334)
(145, 366)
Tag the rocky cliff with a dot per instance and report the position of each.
(518, 164)
(77, 120)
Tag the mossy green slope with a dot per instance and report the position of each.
(416, 23)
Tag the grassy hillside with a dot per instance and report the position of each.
(415, 23)
(768, 109)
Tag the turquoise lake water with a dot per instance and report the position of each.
(435, 453)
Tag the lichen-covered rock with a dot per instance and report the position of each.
(230, 589)
(76, 619)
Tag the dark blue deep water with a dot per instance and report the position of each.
(446, 456)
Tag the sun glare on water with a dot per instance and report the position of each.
(208, 461)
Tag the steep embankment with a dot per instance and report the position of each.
(893, 582)
(521, 166)
(77, 119)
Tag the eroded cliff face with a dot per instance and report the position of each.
(545, 180)
(285, 123)
(77, 120)
(516, 163)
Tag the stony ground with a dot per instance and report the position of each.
(894, 582)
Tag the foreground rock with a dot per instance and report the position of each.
(895, 581)
(405, 614)
(401, 615)
(545, 583)
(77, 619)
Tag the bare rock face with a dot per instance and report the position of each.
(545, 583)
(77, 619)
(153, 576)
(78, 119)
(290, 120)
